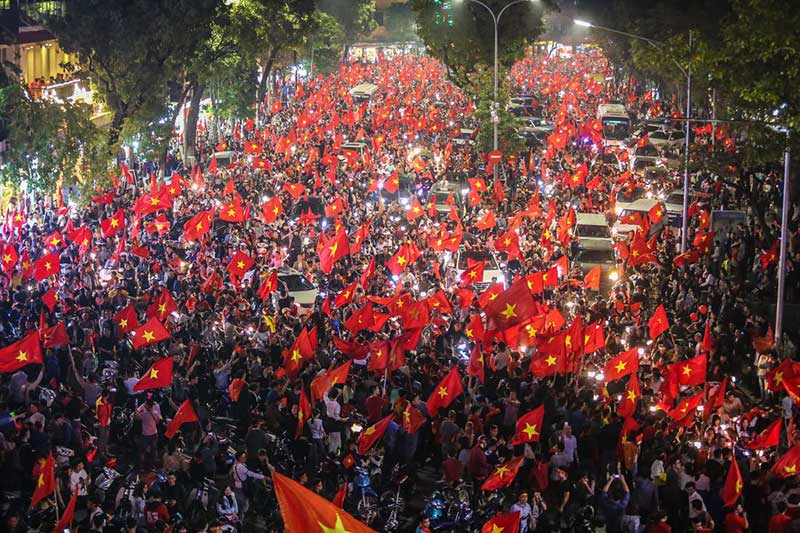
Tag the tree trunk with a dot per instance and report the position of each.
(115, 130)
(215, 119)
(190, 126)
(265, 72)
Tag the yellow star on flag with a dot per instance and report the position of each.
(123, 323)
(551, 361)
(620, 366)
(442, 392)
(687, 370)
(337, 528)
(22, 356)
(153, 373)
(510, 311)
(502, 471)
(148, 336)
(530, 430)
(631, 395)
(401, 260)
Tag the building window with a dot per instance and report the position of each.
(5, 5)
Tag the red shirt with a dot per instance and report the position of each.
(103, 412)
(375, 405)
(735, 523)
(780, 523)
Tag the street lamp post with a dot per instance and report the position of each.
(496, 20)
(688, 75)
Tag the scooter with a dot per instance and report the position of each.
(367, 506)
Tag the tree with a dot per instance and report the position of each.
(49, 144)
(130, 49)
(461, 35)
(398, 19)
(508, 142)
(357, 17)
(265, 28)
(325, 44)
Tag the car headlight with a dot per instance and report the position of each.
(613, 275)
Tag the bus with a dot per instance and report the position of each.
(616, 123)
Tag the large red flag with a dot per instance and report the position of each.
(322, 384)
(447, 391)
(691, 371)
(46, 266)
(149, 333)
(771, 436)
(511, 307)
(658, 323)
(786, 466)
(46, 483)
(303, 413)
(503, 475)
(333, 250)
(157, 376)
(126, 318)
(626, 407)
(21, 353)
(65, 522)
(372, 434)
(529, 426)
(622, 365)
(183, 415)
(413, 419)
(113, 225)
(502, 523)
(54, 336)
(733, 484)
(198, 225)
(476, 366)
(304, 511)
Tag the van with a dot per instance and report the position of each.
(363, 92)
(223, 158)
(643, 206)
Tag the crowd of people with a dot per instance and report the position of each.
(243, 380)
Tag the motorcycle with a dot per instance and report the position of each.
(367, 506)
(393, 501)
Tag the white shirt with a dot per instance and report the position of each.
(332, 408)
(75, 479)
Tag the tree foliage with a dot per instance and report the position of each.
(325, 43)
(356, 17)
(49, 144)
(130, 49)
(461, 35)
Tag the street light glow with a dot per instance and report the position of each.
(585, 24)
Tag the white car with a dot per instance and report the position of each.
(643, 206)
(666, 138)
(296, 285)
(491, 271)
(624, 198)
(673, 202)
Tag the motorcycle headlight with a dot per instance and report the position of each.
(613, 275)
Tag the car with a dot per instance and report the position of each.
(223, 158)
(607, 158)
(666, 138)
(646, 156)
(596, 252)
(531, 137)
(296, 285)
(363, 92)
(491, 272)
(642, 206)
(465, 136)
(441, 191)
(537, 124)
(591, 227)
(673, 202)
(625, 197)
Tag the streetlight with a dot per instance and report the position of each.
(496, 20)
(688, 74)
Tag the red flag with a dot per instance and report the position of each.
(240, 263)
(488, 221)
(46, 266)
(322, 384)
(769, 437)
(126, 318)
(54, 336)
(149, 333)
(333, 250)
(10, 257)
(447, 391)
(198, 225)
(686, 408)
(303, 413)
(511, 307)
(158, 376)
(46, 483)
(405, 255)
(21, 353)
(626, 406)
(268, 285)
(691, 371)
(304, 511)
(733, 484)
(786, 466)
(183, 415)
(708, 344)
(50, 298)
(622, 365)
(502, 523)
(658, 323)
(113, 225)
(162, 306)
(529, 426)
(301, 351)
(476, 365)
(412, 419)
(372, 434)
(65, 522)
(271, 210)
(592, 279)
(503, 475)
